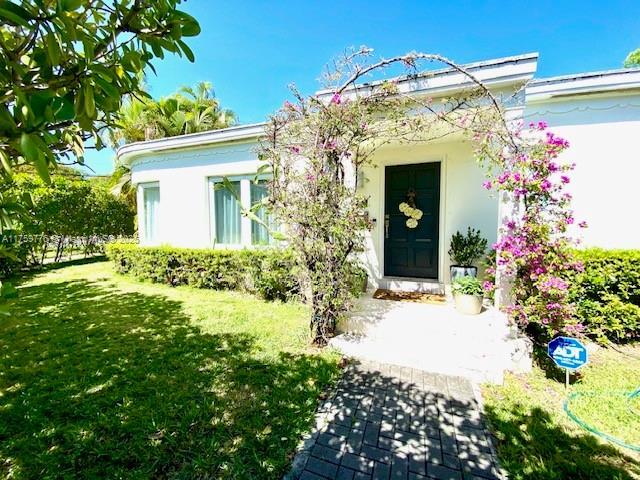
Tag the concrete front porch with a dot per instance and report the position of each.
(433, 338)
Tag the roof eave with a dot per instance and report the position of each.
(127, 153)
(609, 82)
(498, 72)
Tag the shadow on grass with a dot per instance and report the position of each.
(98, 383)
(532, 446)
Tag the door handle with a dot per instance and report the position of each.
(386, 226)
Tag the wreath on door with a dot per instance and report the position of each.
(410, 210)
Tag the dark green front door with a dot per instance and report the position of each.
(412, 252)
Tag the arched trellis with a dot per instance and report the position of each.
(314, 146)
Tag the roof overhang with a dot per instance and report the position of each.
(626, 80)
(127, 153)
(497, 73)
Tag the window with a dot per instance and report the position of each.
(228, 226)
(151, 211)
(259, 233)
(227, 214)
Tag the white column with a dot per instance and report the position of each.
(507, 209)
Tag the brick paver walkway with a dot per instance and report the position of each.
(388, 422)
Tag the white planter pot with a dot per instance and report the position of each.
(468, 304)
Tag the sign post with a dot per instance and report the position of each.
(568, 353)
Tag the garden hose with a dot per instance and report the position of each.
(630, 396)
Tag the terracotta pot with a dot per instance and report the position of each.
(468, 304)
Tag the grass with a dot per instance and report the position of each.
(105, 377)
(537, 440)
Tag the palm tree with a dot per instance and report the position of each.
(189, 110)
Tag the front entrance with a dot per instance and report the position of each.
(412, 252)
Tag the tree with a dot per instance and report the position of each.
(65, 67)
(189, 110)
(633, 59)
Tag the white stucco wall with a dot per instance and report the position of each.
(184, 218)
(463, 201)
(603, 133)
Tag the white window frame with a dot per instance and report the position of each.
(245, 202)
(142, 233)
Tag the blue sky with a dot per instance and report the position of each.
(251, 50)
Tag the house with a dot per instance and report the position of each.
(599, 113)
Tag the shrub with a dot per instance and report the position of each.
(466, 249)
(67, 215)
(467, 286)
(607, 293)
(269, 273)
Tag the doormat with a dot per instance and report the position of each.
(417, 297)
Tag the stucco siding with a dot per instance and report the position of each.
(463, 201)
(603, 133)
(183, 175)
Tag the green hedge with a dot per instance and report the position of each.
(607, 293)
(269, 273)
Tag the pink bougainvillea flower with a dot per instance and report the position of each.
(336, 99)
(488, 185)
(545, 185)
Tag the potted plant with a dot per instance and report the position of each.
(467, 294)
(464, 251)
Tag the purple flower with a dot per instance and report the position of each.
(336, 99)
(583, 224)
(564, 179)
(545, 185)
(553, 167)
(488, 185)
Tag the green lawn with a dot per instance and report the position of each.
(105, 377)
(536, 439)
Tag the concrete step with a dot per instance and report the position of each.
(433, 338)
(408, 284)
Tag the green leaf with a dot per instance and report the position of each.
(15, 14)
(36, 151)
(71, 5)
(107, 87)
(89, 101)
(190, 26)
(4, 160)
(187, 51)
(42, 168)
(28, 147)
(53, 49)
